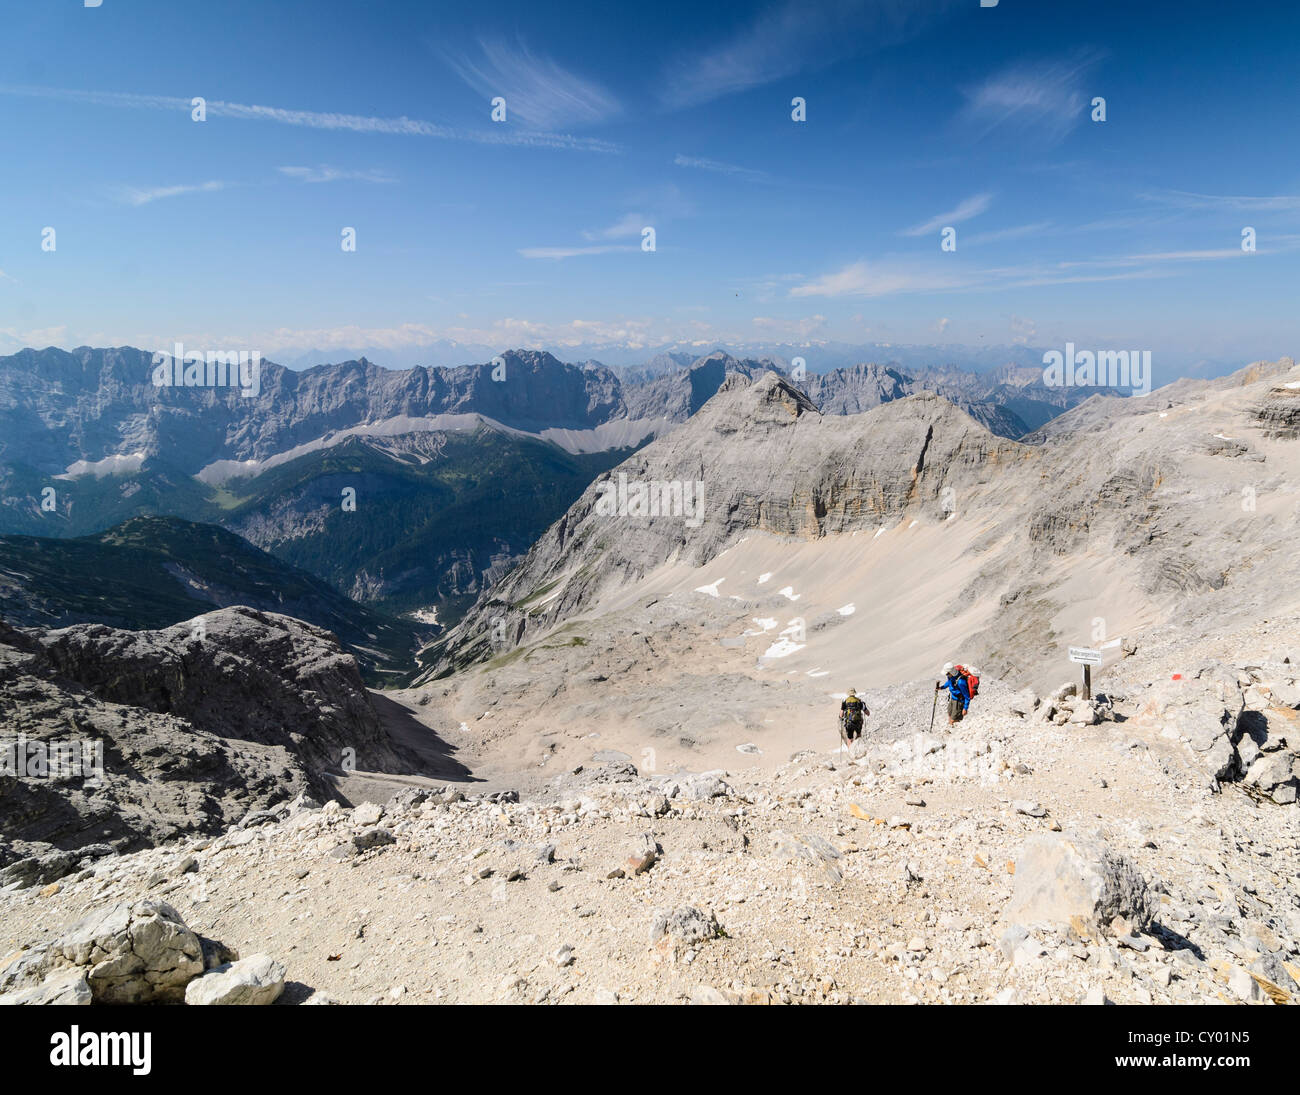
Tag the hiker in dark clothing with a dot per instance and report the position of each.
(851, 712)
(958, 693)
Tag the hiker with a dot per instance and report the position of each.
(958, 693)
(851, 712)
(971, 676)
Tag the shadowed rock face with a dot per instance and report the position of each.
(195, 732)
(1279, 413)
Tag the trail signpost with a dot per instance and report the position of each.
(1086, 657)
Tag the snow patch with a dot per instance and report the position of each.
(764, 577)
(789, 593)
(783, 648)
(847, 610)
(121, 464)
(711, 590)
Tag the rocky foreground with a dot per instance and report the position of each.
(1140, 847)
(196, 726)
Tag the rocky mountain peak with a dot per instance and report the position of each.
(769, 399)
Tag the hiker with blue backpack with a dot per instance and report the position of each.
(958, 693)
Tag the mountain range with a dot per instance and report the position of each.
(410, 490)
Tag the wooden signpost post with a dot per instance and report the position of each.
(1086, 657)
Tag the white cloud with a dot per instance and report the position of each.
(630, 224)
(999, 234)
(971, 207)
(571, 252)
(1023, 330)
(311, 119)
(144, 195)
(13, 338)
(790, 38)
(718, 167)
(1046, 95)
(1183, 199)
(324, 173)
(536, 89)
(862, 279)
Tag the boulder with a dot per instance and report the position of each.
(674, 933)
(373, 838)
(1270, 769)
(136, 953)
(810, 848)
(367, 814)
(701, 788)
(1285, 694)
(1065, 880)
(129, 953)
(258, 979)
(68, 986)
(1023, 703)
(1203, 710)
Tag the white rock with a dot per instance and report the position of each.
(367, 814)
(68, 986)
(258, 979)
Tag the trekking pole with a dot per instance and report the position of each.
(933, 707)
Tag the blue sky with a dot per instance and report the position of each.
(920, 115)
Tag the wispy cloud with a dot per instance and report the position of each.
(656, 207)
(537, 90)
(1046, 95)
(311, 119)
(630, 224)
(888, 277)
(971, 207)
(793, 37)
(324, 173)
(1183, 199)
(133, 195)
(719, 167)
(571, 252)
(877, 279)
(1000, 234)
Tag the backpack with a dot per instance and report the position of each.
(853, 707)
(972, 682)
